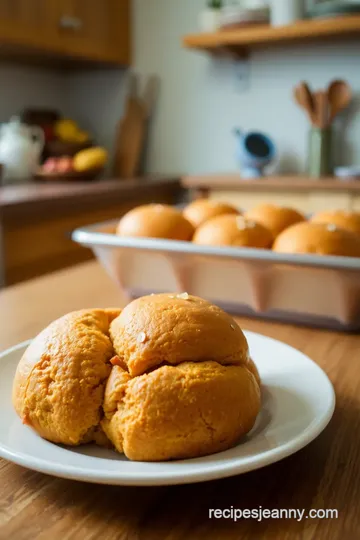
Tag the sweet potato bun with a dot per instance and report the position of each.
(231, 230)
(155, 221)
(177, 412)
(319, 239)
(184, 385)
(202, 210)
(170, 328)
(274, 218)
(168, 378)
(350, 221)
(60, 380)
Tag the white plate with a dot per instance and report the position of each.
(298, 402)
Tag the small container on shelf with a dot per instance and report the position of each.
(348, 173)
(234, 16)
(285, 12)
(320, 151)
(255, 151)
(324, 9)
(210, 18)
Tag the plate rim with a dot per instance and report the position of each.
(210, 473)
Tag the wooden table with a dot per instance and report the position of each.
(324, 475)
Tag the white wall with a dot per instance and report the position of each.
(96, 102)
(200, 103)
(22, 87)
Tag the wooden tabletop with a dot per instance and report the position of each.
(324, 475)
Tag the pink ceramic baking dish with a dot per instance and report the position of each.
(304, 289)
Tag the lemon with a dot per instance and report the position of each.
(91, 158)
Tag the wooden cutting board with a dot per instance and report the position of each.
(150, 95)
(131, 134)
(133, 128)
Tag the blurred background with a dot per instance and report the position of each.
(107, 105)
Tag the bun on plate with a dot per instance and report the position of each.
(185, 385)
(169, 377)
(60, 380)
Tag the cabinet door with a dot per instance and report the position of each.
(28, 22)
(96, 29)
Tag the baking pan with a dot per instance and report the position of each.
(321, 291)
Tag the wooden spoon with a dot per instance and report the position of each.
(339, 96)
(304, 98)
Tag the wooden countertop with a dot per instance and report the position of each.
(44, 195)
(325, 474)
(234, 182)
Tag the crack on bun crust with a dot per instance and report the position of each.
(188, 389)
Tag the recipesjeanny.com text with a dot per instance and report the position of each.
(261, 514)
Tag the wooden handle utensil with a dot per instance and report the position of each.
(304, 98)
(321, 119)
(339, 96)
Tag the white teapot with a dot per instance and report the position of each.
(20, 149)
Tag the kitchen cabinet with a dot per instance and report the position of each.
(98, 29)
(86, 31)
(28, 23)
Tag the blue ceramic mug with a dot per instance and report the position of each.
(254, 152)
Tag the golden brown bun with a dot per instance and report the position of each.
(350, 221)
(319, 239)
(170, 328)
(59, 382)
(178, 412)
(202, 210)
(254, 370)
(275, 218)
(182, 383)
(155, 221)
(233, 230)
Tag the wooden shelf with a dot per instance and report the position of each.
(240, 40)
(234, 182)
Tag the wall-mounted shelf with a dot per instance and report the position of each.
(241, 40)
